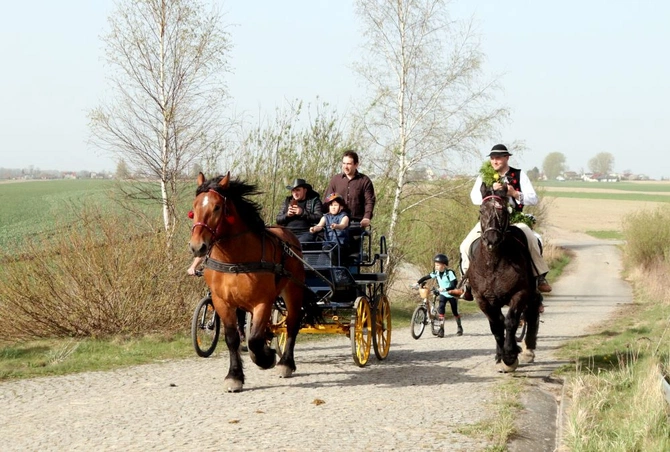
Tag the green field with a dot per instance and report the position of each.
(614, 196)
(43, 207)
(623, 186)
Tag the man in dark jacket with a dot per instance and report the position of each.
(301, 210)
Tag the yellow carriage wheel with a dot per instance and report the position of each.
(360, 331)
(381, 329)
(278, 321)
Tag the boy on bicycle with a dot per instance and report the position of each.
(446, 281)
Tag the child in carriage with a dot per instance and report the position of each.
(334, 223)
(446, 281)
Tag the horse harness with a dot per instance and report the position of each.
(278, 269)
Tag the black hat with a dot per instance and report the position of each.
(299, 183)
(499, 149)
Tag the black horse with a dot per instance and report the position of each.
(501, 274)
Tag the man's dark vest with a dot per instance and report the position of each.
(513, 176)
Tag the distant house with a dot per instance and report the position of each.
(69, 175)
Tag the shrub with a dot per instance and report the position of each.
(647, 235)
(107, 276)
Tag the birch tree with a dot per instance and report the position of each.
(429, 101)
(167, 60)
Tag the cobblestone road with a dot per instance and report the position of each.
(417, 399)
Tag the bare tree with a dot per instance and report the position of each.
(553, 165)
(602, 163)
(167, 61)
(429, 102)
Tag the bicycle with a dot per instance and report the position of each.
(426, 312)
(206, 326)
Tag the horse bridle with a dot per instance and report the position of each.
(502, 202)
(216, 233)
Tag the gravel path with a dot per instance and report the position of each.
(417, 399)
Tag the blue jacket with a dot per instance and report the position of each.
(446, 280)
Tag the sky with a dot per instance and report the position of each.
(579, 77)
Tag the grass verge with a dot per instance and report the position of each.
(499, 426)
(606, 235)
(65, 356)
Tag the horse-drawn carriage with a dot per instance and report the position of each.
(348, 299)
(286, 287)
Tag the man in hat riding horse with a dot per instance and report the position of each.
(520, 193)
(301, 210)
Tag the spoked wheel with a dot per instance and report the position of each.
(419, 320)
(521, 330)
(278, 321)
(360, 331)
(205, 328)
(381, 328)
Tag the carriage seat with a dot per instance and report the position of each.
(342, 288)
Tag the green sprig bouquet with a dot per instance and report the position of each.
(489, 175)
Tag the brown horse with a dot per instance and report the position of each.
(248, 266)
(501, 274)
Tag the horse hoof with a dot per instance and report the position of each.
(527, 356)
(284, 371)
(504, 368)
(231, 385)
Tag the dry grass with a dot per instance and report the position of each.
(581, 215)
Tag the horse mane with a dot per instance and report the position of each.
(238, 192)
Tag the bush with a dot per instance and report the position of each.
(647, 235)
(106, 277)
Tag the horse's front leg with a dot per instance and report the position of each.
(234, 381)
(292, 296)
(510, 358)
(259, 350)
(497, 326)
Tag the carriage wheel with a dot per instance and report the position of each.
(360, 331)
(381, 328)
(419, 320)
(205, 328)
(521, 330)
(278, 319)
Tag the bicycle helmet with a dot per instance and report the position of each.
(441, 258)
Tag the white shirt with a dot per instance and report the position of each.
(528, 197)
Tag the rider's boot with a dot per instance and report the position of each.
(440, 332)
(459, 331)
(542, 284)
(463, 291)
